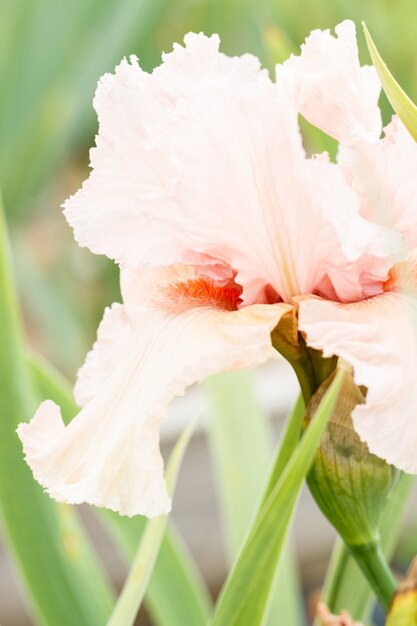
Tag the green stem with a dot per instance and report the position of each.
(373, 564)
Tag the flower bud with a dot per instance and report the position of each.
(403, 609)
(349, 484)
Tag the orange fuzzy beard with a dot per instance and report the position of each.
(202, 292)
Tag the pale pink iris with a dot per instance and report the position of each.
(201, 190)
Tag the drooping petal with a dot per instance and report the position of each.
(203, 158)
(378, 337)
(114, 331)
(331, 89)
(383, 175)
(144, 356)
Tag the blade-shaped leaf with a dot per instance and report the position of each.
(239, 437)
(401, 103)
(132, 594)
(287, 445)
(176, 594)
(246, 594)
(62, 579)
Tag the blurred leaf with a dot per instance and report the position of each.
(239, 436)
(245, 597)
(62, 578)
(57, 50)
(131, 596)
(401, 103)
(176, 594)
(345, 586)
(239, 439)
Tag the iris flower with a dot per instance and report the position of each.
(201, 190)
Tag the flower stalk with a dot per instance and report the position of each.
(373, 564)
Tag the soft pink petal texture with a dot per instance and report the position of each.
(383, 175)
(113, 333)
(203, 158)
(378, 337)
(330, 88)
(124, 208)
(144, 356)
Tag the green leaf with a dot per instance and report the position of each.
(239, 437)
(176, 594)
(239, 441)
(130, 599)
(401, 103)
(59, 86)
(287, 445)
(63, 581)
(345, 586)
(245, 597)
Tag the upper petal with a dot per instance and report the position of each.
(144, 356)
(383, 175)
(378, 337)
(123, 210)
(330, 88)
(203, 158)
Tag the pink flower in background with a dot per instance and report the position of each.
(201, 190)
(328, 619)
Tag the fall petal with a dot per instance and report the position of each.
(378, 337)
(144, 356)
(331, 89)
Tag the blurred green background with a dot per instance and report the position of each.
(51, 54)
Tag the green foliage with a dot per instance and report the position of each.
(63, 580)
(401, 103)
(131, 596)
(246, 594)
(240, 442)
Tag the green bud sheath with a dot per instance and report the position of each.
(351, 485)
(403, 609)
(308, 364)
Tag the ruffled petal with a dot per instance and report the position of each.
(378, 337)
(145, 355)
(203, 159)
(331, 89)
(382, 174)
(123, 210)
(114, 331)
